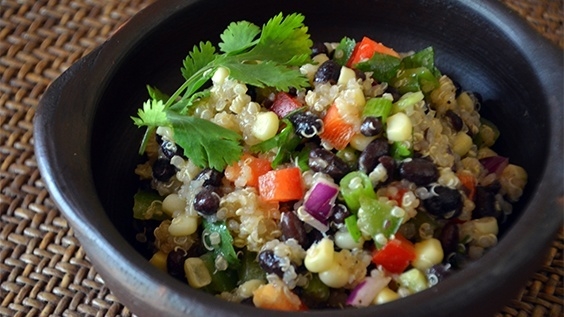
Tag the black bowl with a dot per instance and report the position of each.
(86, 143)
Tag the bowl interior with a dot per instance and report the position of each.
(472, 46)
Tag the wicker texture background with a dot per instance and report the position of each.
(43, 269)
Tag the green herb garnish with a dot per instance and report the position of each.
(266, 57)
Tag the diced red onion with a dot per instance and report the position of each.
(310, 220)
(319, 200)
(494, 164)
(365, 292)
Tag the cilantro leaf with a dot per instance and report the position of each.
(198, 58)
(238, 37)
(284, 40)
(152, 114)
(204, 142)
(269, 74)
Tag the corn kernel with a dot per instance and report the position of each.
(320, 256)
(266, 125)
(386, 295)
(427, 253)
(220, 75)
(346, 75)
(486, 225)
(159, 260)
(172, 203)
(183, 225)
(196, 272)
(399, 127)
(336, 276)
(462, 143)
(360, 142)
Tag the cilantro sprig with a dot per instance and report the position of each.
(262, 57)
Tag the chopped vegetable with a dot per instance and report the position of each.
(495, 164)
(351, 222)
(337, 132)
(379, 220)
(286, 141)
(396, 255)
(468, 182)
(269, 296)
(319, 200)
(281, 185)
(354, 186)
(250, 168)
(379, 107)
(225, 247)
(366, 48)
(284, 104)
(365, 292)
(147, 205)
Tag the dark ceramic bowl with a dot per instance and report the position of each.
(86, 143)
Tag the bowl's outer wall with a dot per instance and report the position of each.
(481, 44)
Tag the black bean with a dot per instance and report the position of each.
(419, 171)
(175, 263)
(359, 74)
(210, 176)
(449, 238)
(389, 164)
(371, 126)
(207, 201)
(454, 120)
(328, 72)
(447, 203)
(340, 213)
(270, 263)
(324, 161)
(306, 124)
(163, 170)
(337, 298)
(368, 159)
(485, 204)
(319, 48)
(293, 228)
(438, 273)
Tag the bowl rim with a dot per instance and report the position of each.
(198, 303)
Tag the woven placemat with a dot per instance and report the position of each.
(43, 269)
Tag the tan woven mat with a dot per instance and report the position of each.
(43, 269)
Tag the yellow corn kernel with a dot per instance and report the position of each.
(159, 260)
(427, 253)
(346, 75)
(320, 256)
(172, 203)
(336, 276)
(183, 225)
(486, 225)
(220, 75)
(266, 125)
(386, 295)
(399, 127)
(360, 142)
(196, 272)
(462, 143)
